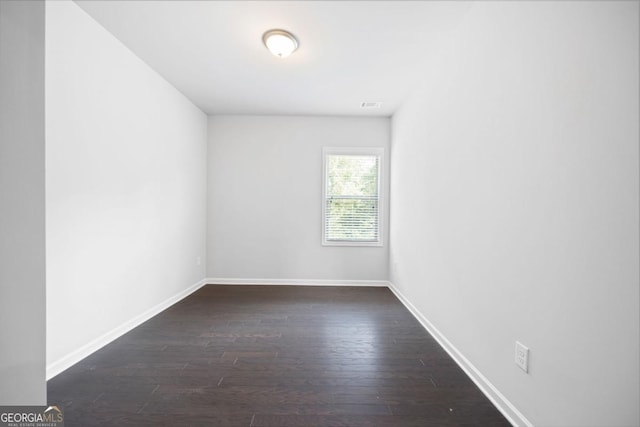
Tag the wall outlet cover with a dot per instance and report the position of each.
(522, 356)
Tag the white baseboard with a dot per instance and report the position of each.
(507, 409)
(296, 282)
(74, 357)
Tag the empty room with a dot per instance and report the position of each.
(319, 213)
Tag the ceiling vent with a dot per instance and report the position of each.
(370, 104)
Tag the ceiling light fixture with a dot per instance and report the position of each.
(280, 42)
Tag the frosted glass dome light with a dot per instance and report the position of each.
(280, 42)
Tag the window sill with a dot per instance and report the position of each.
(349, 243)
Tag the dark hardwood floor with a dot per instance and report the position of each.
(274, 356)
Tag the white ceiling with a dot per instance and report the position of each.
(350, 51)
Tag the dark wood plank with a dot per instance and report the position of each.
(274, 356)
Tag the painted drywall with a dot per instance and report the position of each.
(126, 178)
(22, 204)
(265, 198)
(515, 204)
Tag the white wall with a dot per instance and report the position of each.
(265, 198)
(515, 204)
(22, 214)
(126, 178)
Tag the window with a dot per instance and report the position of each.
(352, 202)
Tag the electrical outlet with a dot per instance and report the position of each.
(198, 261)
(522, 356)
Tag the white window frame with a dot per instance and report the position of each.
(355, 151)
